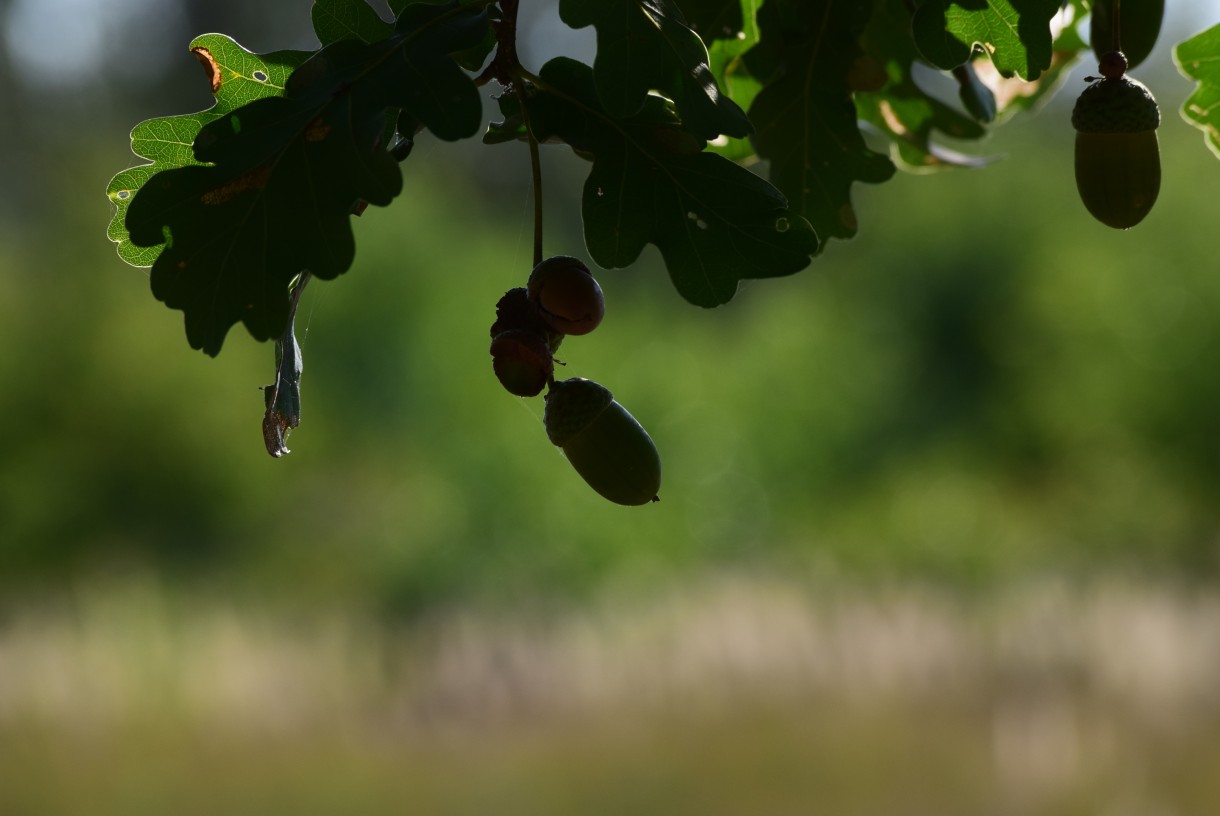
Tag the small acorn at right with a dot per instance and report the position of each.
(1118, 160)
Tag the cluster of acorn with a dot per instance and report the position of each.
(609, 449)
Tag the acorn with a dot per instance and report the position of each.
(522, 362)
(609, 449)
(1118, 162)
(567, 295)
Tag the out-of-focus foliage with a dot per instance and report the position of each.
(1199, 58)
(983, 388)
(986, 388)
(909, 114)
(974, 393)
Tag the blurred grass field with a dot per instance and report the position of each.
(729, 696)
(938, 530)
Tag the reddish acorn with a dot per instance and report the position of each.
(567, 295)
(522, 361)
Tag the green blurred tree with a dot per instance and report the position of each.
(243, 204)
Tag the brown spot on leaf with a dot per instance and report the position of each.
(210, 67)
(317, 130)
(254, 180)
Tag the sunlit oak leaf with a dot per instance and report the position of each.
(645, 46)
(900, 107)
(714, 222)
(805, 118)
(1012, 94)
(236, 77)
(1199, 59)
(282, 176)
(1015, 33)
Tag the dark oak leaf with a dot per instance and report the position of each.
(714, 222)
(278, 180)
(646, 45)
(805, 117)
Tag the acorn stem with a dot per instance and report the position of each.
(536, 172)
(1116, 29)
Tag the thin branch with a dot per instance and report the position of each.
(507, 70)
(536, 167)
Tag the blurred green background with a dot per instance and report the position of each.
(939, 529)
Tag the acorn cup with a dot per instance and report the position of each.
(609, 449)
(1118, 161)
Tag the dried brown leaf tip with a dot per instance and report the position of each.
(210, 66)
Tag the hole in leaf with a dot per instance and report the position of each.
(782, 225)
(260, 76)
(123, 195)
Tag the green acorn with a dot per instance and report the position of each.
(1118, 161)
(609, 449)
